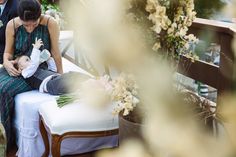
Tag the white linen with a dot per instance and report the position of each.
(26, 122)
(77, 117)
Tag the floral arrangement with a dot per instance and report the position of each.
(101, 91)
(124, 93)
(171, 19)
(94, 91)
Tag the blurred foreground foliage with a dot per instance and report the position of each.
(207, 8)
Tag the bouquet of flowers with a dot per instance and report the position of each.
(124, 93)
(94, 91)
(171, 19)
(166, 24)
(101, 91)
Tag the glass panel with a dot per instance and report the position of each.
(212, 9)
(201, 89)
(208, 52)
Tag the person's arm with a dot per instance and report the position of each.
(54, 38)
(34, 60)
(34, 64)
(8, 63)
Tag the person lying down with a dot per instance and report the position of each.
(47, 80)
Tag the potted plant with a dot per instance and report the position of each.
(125, 95)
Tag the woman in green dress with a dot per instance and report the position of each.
(21, 32)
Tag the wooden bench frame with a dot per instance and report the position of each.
(57, 139)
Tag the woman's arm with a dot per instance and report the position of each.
(8, 63)
(54, 38)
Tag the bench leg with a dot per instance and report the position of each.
(45, 139)
(56, 145)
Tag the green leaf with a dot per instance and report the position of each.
(66, 99)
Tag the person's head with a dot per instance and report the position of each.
(29, 12)
(23, 62)
(2, 1)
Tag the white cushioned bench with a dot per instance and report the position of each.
(26, 122)
(77, 117)
(74, 120)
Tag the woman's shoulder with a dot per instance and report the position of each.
(51, 24)
(47, 20)
(15, 22)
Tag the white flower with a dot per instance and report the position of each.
(170, 30)
(156, 46)
(151, 5)
(124, 93)
(191, 38)
(157, 28)
(182, 32)
(174, 25)
(186, 45)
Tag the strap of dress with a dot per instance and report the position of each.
(14, 25)
(48, 20)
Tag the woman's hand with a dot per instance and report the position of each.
(9, 66)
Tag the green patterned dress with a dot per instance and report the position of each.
(11, 86)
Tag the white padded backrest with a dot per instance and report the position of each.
(79, 54)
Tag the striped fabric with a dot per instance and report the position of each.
(24, 40)
(11, 86)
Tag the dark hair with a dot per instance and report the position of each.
(29, 10)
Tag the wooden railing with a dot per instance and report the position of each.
(220, 77)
